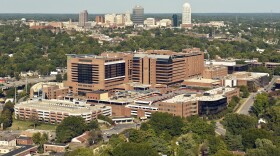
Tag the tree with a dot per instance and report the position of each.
(133, 149)
(186, 142)
(80, 152)
(245, 91)
(261, 104)
(40, 140)
(251, 135)
(58, 78)
(95, 137)
(256, 152)
(69, 128)
(93, 125)
(237, 123)
(216, 144)
(65, 77)
(199, 126)
(234, 142)
(166, 122)
(160, 145)
(223, 153)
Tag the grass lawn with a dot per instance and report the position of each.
(24, 125)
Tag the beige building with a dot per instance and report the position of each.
(215, 72)
(54, 111)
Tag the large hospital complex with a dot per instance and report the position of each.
(137, 84)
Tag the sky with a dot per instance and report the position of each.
(151, 6)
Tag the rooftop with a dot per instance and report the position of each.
(211, 95)
(59, 105)
(201, 80)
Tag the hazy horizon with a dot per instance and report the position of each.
(121, 6)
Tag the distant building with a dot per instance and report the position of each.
(110, 18)
(138, 15)
(99, 19)
(150, 22)
(187, 14)
(83, 18)
(175, 20)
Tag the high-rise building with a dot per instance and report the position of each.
(87, 73)
(175, 20)
(166, 67)
(187, 14)
(138, 15)
(110, 18)
(99, 19)
(83, 18)
(120, 20)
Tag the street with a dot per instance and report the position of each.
(116, 130)
(246, 106)
(29, 80)
(220, 129)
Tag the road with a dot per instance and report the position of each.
(116, 130)
(246, 106)
(220, 129)
(29, 80)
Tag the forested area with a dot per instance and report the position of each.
(43, 50)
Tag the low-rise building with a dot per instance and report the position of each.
(210, 102)
(24, 140)
(54, 111)
(50, 90)
(215, 72)
(58, 148)
(201, 82)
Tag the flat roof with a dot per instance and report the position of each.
(214, 95)
(59, 106)
(201, 80)
(19, 150)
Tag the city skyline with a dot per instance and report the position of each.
(165, 6)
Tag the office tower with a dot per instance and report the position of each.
(187, 14)
(175, 20)
(87, 73)
(99, 19)
(83, 18)
(110, 18)
(127, 17)
(166, 67)
(138, 15)
(120, 20)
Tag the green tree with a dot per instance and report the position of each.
(40, 140)
(69, 128)
(93, 125)
(261, 104)
(199, 126)
(166, 122)
(224, 153)
(234, 142)
(237, 123)
(216, 144)
(135, 149)
(58, 78)
(80, 152)
(256, 152)
(251, 135)
(65, 77)
(245, 91)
